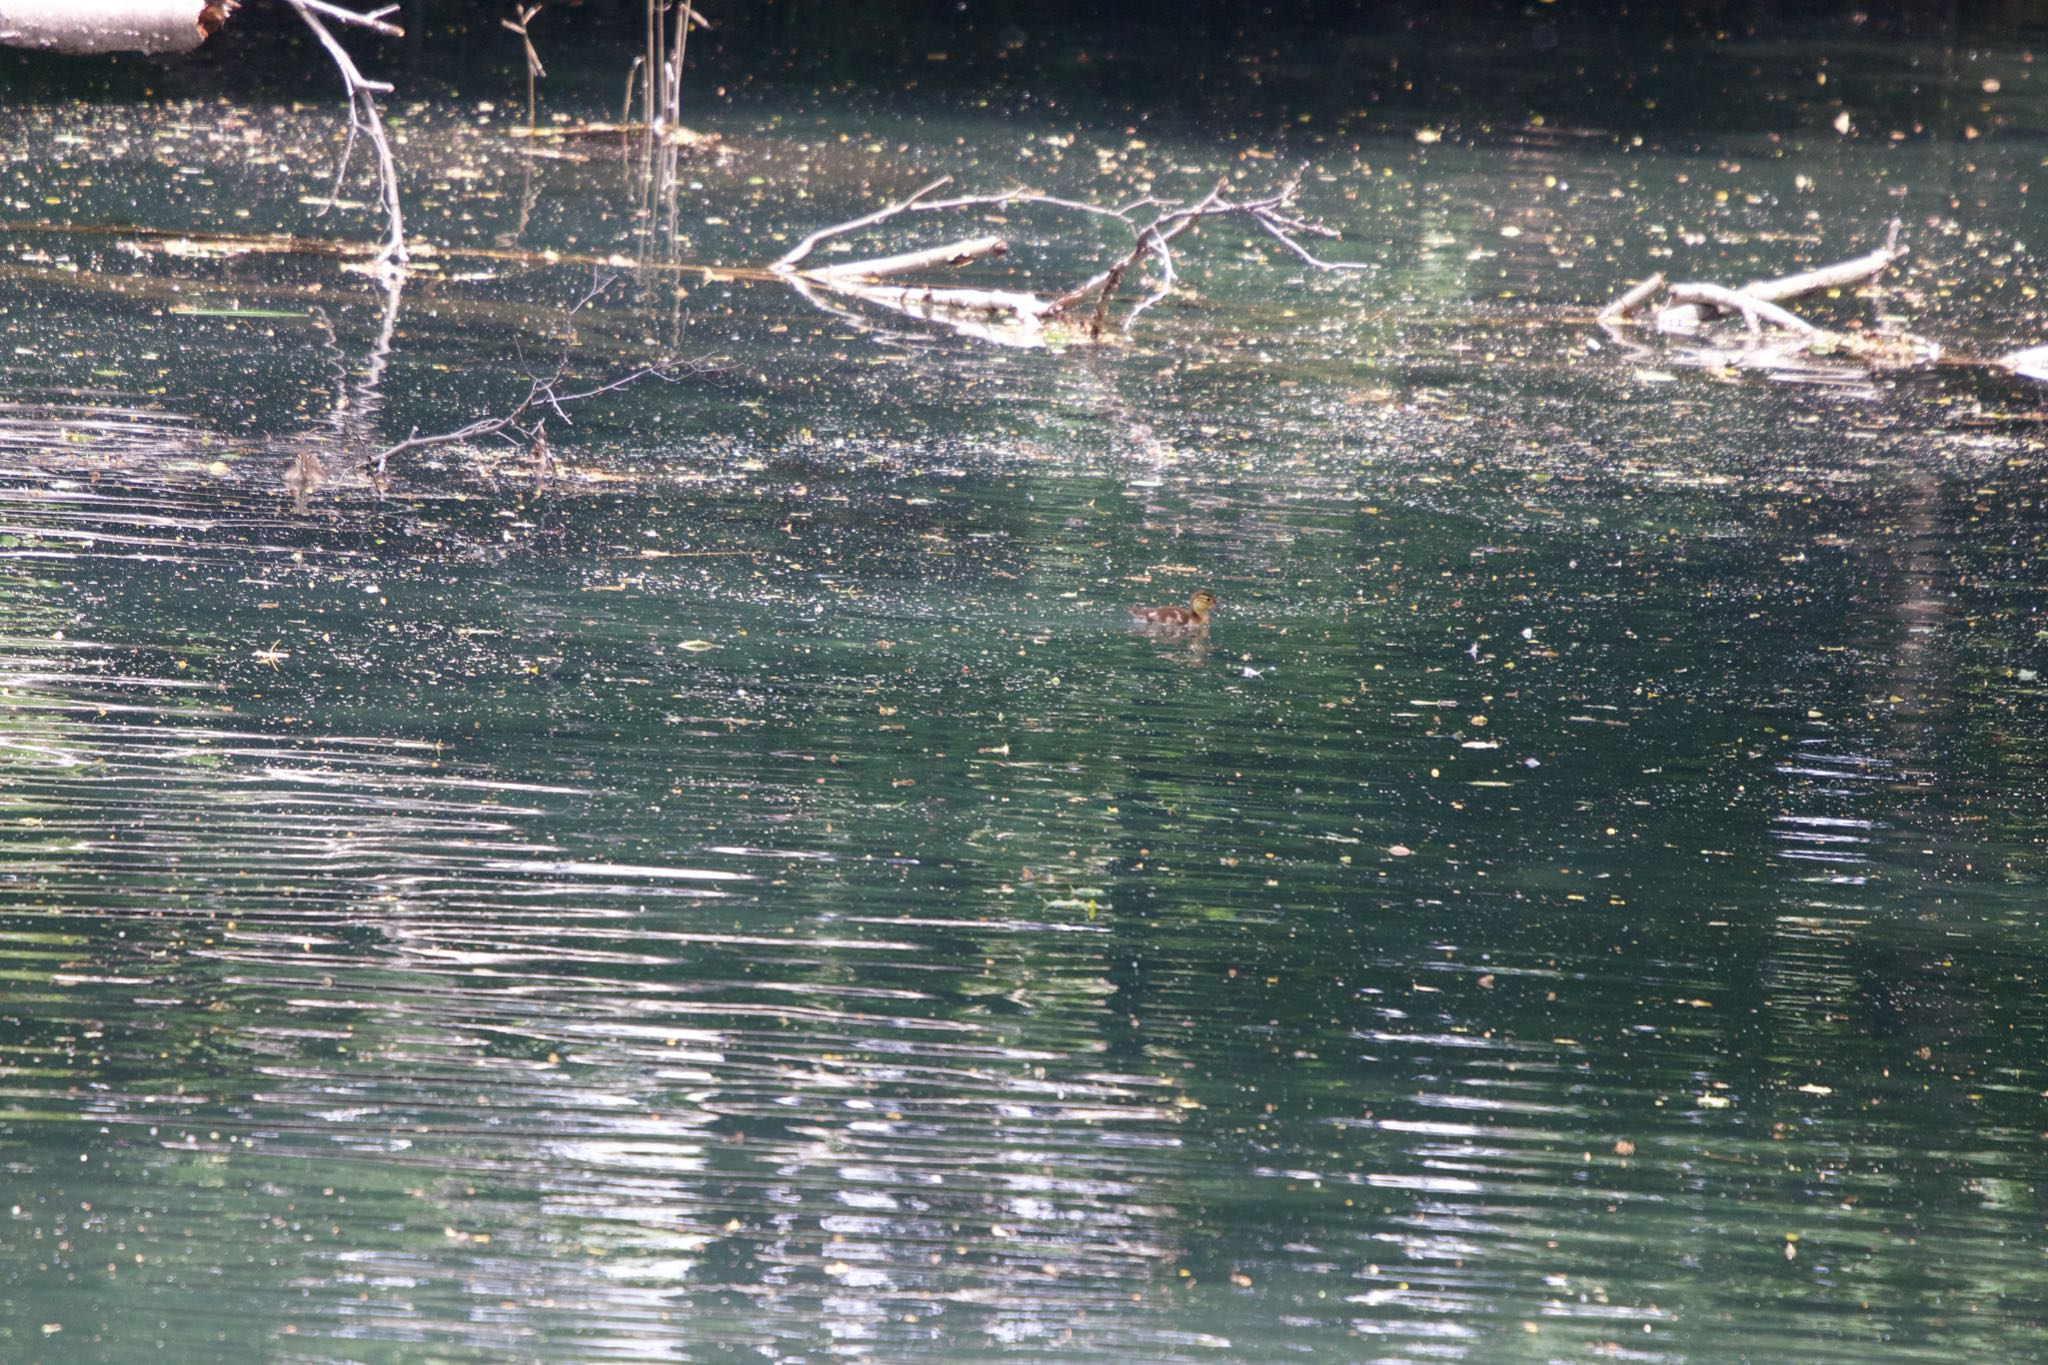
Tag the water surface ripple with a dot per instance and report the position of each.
(745, 894)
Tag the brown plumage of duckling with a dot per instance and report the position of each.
(1195, 614)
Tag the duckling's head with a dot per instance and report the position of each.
(1203, 602)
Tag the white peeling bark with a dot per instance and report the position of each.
(88, 26)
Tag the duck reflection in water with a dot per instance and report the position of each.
(303, 477)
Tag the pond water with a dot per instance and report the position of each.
(742, 892)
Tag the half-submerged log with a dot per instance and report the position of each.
(85, 27)
(1687, 317)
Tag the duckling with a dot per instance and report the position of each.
(1190, 617)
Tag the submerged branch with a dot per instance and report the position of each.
(543, 392)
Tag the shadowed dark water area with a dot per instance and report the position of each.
(744, 894)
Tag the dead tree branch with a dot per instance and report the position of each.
(1755, 311)
(661, 65)
(521, 24)
(160, 26)
(1690, 308)
(363, 117)
(542, 392)
(1786, 288)
(789, 259)
(1842, 274)
(1635, 297)
(1014, 318)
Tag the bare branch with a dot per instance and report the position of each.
(1860, 270)
(539, 393)
(1633, 298)
(520, 23)
(374, 20)
(363, 115)
(968, 310)
(787, 261)
(1167, 280)
(1754, 310)
(1152, 238)
(945, 254)
(1283, 229)
(542, 392)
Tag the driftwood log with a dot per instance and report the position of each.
(1690, 309)
(1689, 315)
(1755, 311)
(86, 27)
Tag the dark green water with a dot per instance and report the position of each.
(747, 896)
